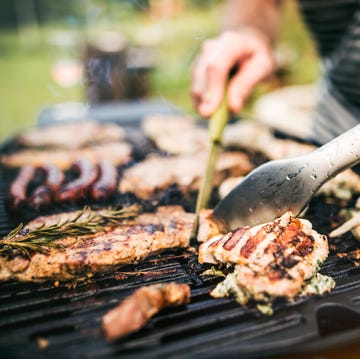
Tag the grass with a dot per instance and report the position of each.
(26, 84)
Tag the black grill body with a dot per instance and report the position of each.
(48, 321)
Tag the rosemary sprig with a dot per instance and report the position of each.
(21, 241)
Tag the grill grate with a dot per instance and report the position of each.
(68, 318)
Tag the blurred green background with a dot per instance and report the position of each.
(35, 35)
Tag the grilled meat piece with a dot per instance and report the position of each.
(181, 135)
(71, 135)
(177, 135)
(271, 259)
(128, 242)
(353, 256)
(18, 189)
(343, 186)
(254, 136)
(106, 183)
(152, 176)
(207, 227)
(228, 185)
(80, 186)
(44, 193)
(135, 311)
(117, 153)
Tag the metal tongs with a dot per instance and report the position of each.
(286, 185)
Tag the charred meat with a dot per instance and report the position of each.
(98, 182)
(106, 183)
(272, 259)
(19, 187)
(80, 186)
(135, 311)
(154, 175)
(79, 256)
(44, 194)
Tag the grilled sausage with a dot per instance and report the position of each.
(106, 183)
(79, 187)
(44, 194)
(18, 189)
(135, 311)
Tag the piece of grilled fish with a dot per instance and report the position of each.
(82, 256)
(272, 259)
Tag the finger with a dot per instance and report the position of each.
(216, 77)
(229, 50)
(252, 71)
(198, 75)
(220, 61)
(198, 92)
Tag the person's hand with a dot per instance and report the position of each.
(248, 51)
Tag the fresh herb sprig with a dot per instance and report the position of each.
(21, 241)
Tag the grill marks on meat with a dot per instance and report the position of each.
(128, 242)
(151, 177)
(274, 258)
(80, 186)
(135, 311)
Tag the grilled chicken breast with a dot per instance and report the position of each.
(270, 259)
(81, 256)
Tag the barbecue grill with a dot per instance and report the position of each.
(64, 320)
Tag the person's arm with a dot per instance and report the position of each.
(246, 45)
(263, 15)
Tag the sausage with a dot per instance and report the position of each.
(44, 193)
(135, 311)
(79, 187)
(18, 189)
(106, 183)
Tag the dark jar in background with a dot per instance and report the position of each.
(114, 71)
(105, 68)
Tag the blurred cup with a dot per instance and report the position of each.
(105, 67)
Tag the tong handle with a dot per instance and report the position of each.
(340, 153)
(217, 124)
(218, 121)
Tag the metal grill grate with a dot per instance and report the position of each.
(68, 318)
